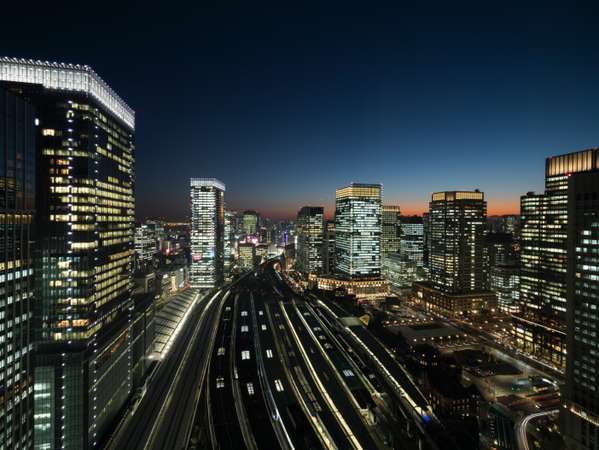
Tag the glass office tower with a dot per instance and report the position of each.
(17, 197)
(457, 232)
(207, 232)
(358, 230)
(310, 251)
(83, 251)
(580, 417)
(390, 230)
(539, 327)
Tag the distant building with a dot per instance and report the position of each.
(505, 282)
(249, 223)
(390, 230)
(247, 255)
(411, 245)
(580, 417)
(207, 232)
(310, 252)
(358, 219)
(330, 246)
(229, 241)
(540, 327)
(145, 245)
(358, 230)
(458, 266)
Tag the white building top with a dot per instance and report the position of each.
(210, 182)
(67, 77)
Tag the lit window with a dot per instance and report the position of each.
(244, 313)
(269, 353)
(348, 373)
(260, 313)
(220, 383)
(250, 388)
(48, 132)
(244, 328)
(245, 354)
(263, 327)
(221, 351)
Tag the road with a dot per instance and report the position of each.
(522, 425)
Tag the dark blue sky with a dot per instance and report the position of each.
(285, 104)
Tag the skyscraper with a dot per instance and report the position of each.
(358, 230)
(580, 417)
(229, 241)
(310, 250)
(207, 232)
(390, 230)
(539, 327)
(84, 250)
(411, 245)
(330, 246)
(145, 245)
(457, 241)
(457, 262)
(249, 222)
(17, 196)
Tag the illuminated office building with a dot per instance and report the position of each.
(145, 245)
(229, 241)
(330, 246)
(390, 230)
(310, 239)
(17, 197)
(247, 255)
(358, 230)
(539, 327)
(411, 245)
(457, 262)
(249, 222)
(580, 415)
(84, 251)
(207, 232)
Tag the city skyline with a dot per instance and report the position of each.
(412, 101)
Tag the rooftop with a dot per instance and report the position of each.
(66, 77)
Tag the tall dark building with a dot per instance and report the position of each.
(330, 246)
(580, 417)
(457, 258)
(83, 252)
(539, 327)
(390, 230)
(17, 197)
(310, 250)
(457, 233)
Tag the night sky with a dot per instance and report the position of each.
(285, 104)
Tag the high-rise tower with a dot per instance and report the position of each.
(83, 250)
(207, 232)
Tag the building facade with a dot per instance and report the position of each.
(580, 415)
(249, 223)
(247, 256)
(310, 252)
(457, 254)
(358, 230)
(207, 232)
(17, 206)
(330, 246)
(539, 327)
(458, 267)
(84, 251)
(390, 230)
(145, 245)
